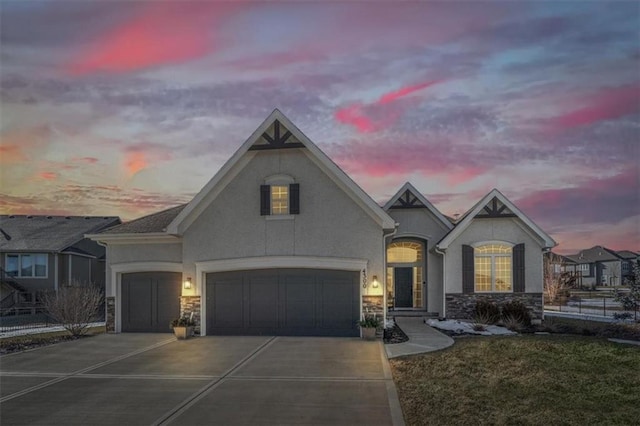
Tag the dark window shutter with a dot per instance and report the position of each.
(468, 280)
(518, 268)
(294, 198)
(265, 200)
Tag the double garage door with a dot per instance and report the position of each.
(285, 302)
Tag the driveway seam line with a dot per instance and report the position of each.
(198, 395)
(66, 376)
(395, 409)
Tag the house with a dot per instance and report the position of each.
(628, 258)
(600, 266)
(281, 241)
(40, 253)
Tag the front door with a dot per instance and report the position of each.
(403, 284)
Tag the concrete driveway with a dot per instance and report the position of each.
(137, 379)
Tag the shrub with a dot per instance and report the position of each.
(488, 311)
(183, 322)
(512, 323)
(74, 306)
(621, 316)
(518, 311)
(369, 321)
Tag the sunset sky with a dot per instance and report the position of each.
(127, 108)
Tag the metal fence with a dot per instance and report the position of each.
(591, 305)
(15, 319)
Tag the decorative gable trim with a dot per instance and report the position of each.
(408, 197)
(244, 154)
(276, 140)
(529, 225)
(495, 209)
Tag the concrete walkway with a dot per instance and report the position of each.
(422, 338)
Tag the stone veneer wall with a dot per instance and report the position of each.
(462, 305)
(110, 317)
(373, 305)
(191, 305)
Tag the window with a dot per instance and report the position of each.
(27, 265)
(279, 199)
(404, 252)
(493, 269)
(279, 196)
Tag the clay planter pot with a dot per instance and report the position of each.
(368, 333)
(183, 332)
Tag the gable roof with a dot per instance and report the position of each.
(594, 254)
(156, 222)
(494, 208)
(256, 142)
(409, 197)
(48, 233)
(627, 254)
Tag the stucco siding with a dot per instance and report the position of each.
(422, 224)
(505, 229)
(330, 223)
(160, 252)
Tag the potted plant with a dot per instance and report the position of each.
(183, 327)
(368, 326)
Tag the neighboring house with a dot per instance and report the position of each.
(282, 242)
(599, 266)
(40, 253)
(627, 258)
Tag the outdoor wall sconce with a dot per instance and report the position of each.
(375, 282)
(187, 283)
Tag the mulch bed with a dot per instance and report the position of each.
(394, 335)
(11, 345)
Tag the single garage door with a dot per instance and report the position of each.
(283, 302)
(150, 300)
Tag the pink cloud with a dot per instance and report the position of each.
(604, 105)
(405, 91)
(48, 175)
(85, 160)
(382, 113)
(159, 33)
(139, 156)
(354, 115)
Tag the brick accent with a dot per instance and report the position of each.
(110, 317)
(191, 305)
(462, 305)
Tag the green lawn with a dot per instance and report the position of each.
(546, 380)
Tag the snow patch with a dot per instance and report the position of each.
(461, 327)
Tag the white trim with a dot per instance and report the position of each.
(408, 187)
(123, 268)
(90, 256)
(270, 262)
(280, 217)
(464, 224)
(56, 277)
(242, 157)
(487, 242)
(145, 238)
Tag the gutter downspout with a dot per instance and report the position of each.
(444, 281)
(384, 266)
(56, 273)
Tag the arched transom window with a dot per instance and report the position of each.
(493, 268)
(404, 252)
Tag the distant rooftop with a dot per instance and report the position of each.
(156, 222)
(48, 233)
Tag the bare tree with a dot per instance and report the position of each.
(555, 281)
(75, 306)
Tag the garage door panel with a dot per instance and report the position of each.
(286, 302)
(262, 302)
(228, 300)
(150, 300)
